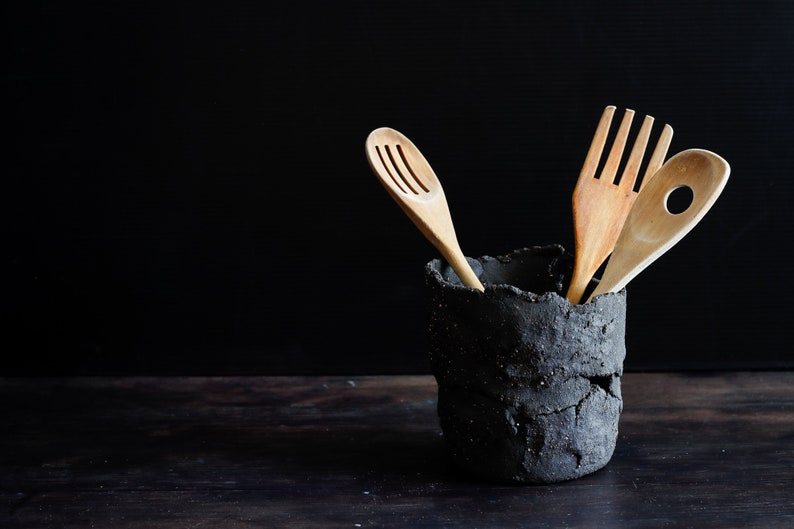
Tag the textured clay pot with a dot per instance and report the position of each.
(528, 383)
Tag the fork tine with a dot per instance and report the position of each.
(611, 167)
(657, 158)
(597, 145)
(632, 169)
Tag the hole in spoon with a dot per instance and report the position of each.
(679, 199)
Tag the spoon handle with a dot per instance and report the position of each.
(650, 229)
(458, 262)
(435, 222)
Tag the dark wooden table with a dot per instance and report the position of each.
(700, 450)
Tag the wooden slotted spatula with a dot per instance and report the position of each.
(599, 205)
(411, 182)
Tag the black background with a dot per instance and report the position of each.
(186, 191)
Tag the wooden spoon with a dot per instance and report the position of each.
(411, 182)
(650, 229)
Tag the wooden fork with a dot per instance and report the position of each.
(600, 205)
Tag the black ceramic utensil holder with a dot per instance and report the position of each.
(528, 383)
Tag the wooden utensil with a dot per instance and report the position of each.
(411, 182)
(650, 229)
(600, 205)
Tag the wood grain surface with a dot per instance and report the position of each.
(701, 450)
